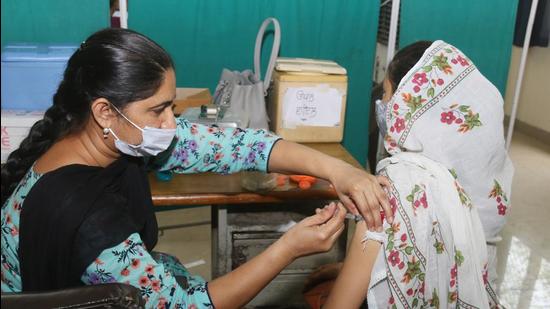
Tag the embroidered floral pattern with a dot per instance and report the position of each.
(459, 258)
(461, 115)
(439, 65)
(406, 257)
(453, 293)
(439, 245)
(398, 126)
(401, 256)
(413, 103)
(459, 59)
(420, 239)
(391, 144)
(485, 274)
(434, 301)
(500, 198)
(464, 198)
(417, 198)
(437, 75)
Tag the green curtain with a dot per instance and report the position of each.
(205, 36)
(52, 21)
(482, 29)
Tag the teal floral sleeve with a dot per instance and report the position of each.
(200, 148)
(130, 263)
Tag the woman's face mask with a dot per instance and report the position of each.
(154, 140)
(381, 109)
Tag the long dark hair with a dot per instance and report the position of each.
(119, 65)
(404, 60)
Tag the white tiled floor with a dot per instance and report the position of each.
(524, 253)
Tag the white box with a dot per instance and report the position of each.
(16, 125)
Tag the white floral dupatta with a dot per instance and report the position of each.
(451, 186)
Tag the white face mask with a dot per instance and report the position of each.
(154, 140)
(381, 110)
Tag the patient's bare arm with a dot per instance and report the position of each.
(352, 284)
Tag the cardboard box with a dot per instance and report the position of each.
(306, 104)
(190, 97)
(15, 127)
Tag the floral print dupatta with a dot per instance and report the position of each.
(451, 180)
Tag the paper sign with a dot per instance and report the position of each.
(319, 106)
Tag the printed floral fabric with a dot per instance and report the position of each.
(446, 110)
(450, 171)
(129, 262)
(201, 148)
(198, 148)
(434, 254)
(11, 211)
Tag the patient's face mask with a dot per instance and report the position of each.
(381, 109)
(154, 140)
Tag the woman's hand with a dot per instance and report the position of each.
(316, 233)
(313, 234)
(362, 193)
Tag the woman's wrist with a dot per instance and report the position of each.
(332, 169)
(282, 249)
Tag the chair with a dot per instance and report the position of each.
(109, 295)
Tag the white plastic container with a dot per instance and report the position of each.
(16, 125)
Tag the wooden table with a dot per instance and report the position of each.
(224, 193)
(215, 189)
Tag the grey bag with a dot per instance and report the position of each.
(243, 93)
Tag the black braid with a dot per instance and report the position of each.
(119, 65)
(42, 135)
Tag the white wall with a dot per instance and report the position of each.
(534, 103)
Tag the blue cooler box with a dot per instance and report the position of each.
(31, 74)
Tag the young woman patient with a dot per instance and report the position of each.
(450, 188)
